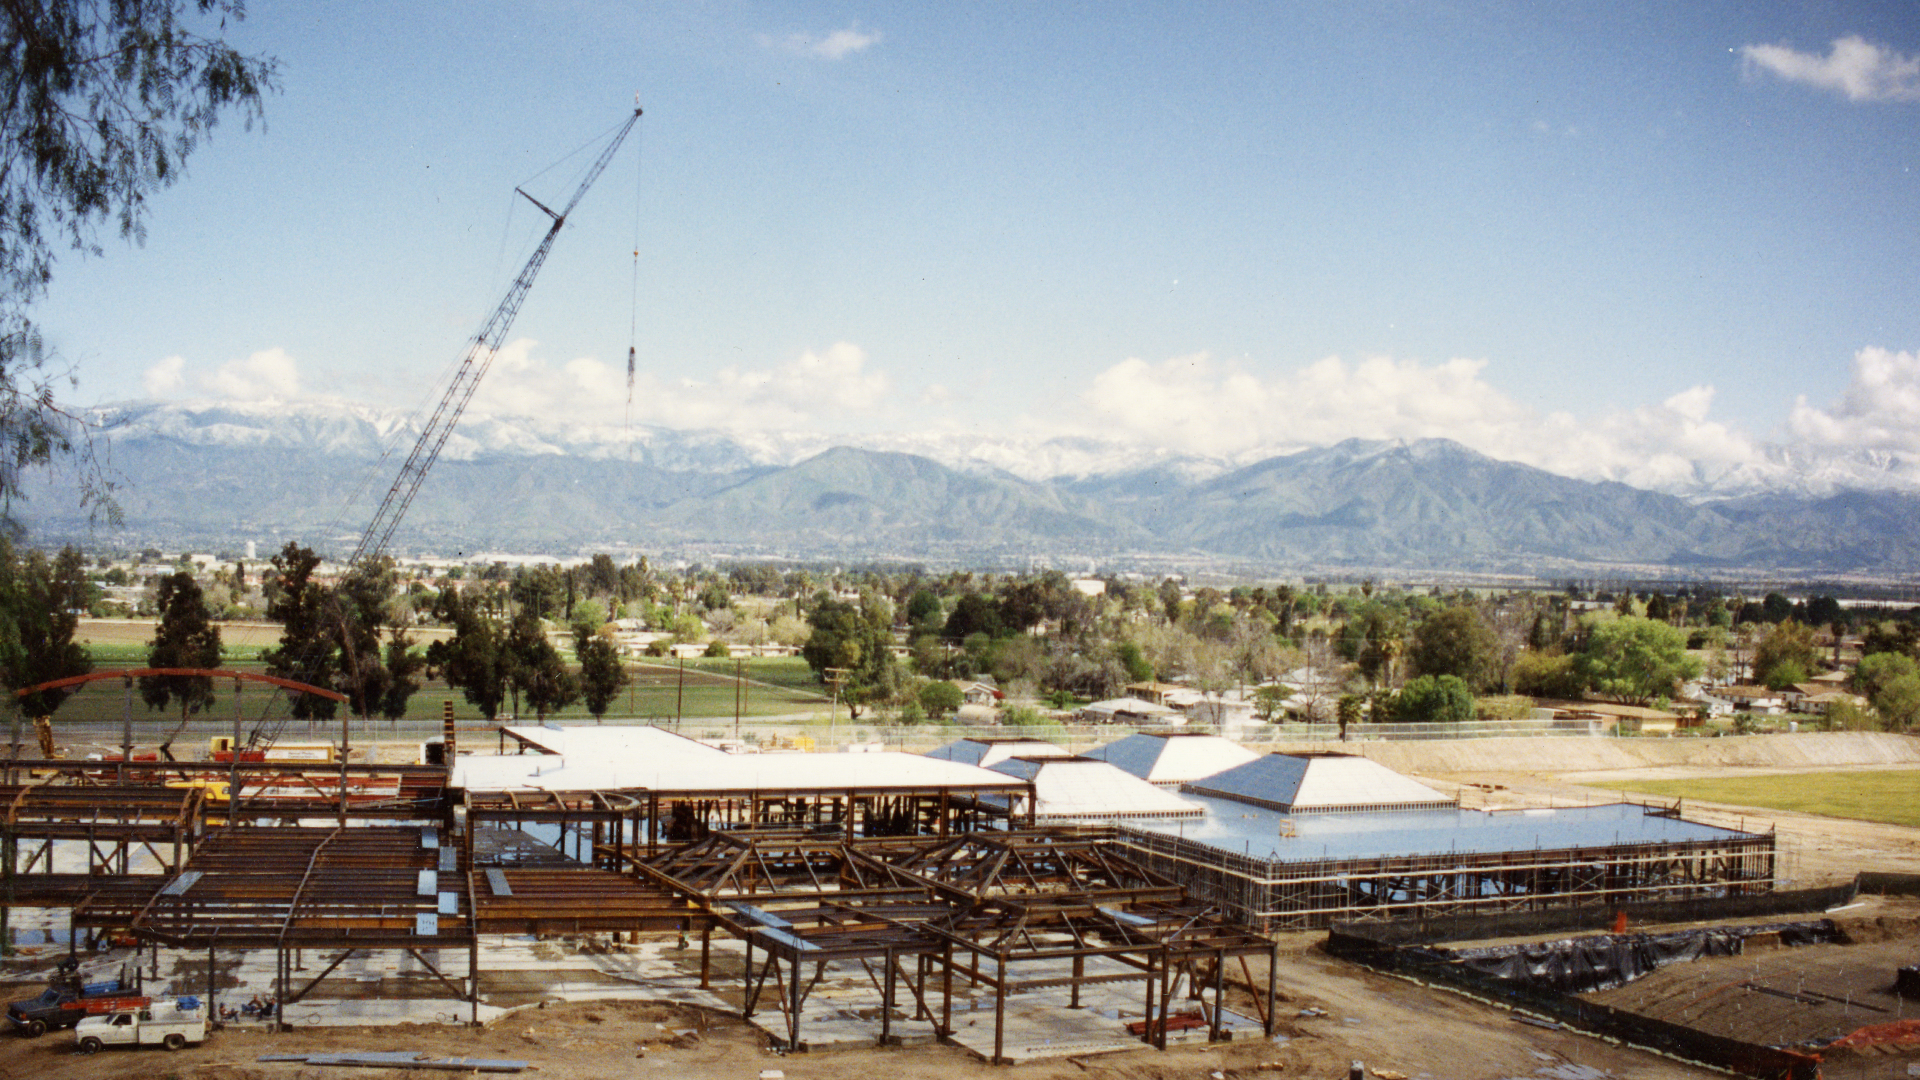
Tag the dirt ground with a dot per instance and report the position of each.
(1397, 1028)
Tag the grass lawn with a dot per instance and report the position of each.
(1892, 797)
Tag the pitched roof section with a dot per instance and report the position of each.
(1320, 784)
(1081, 789)
(1170, 760)
(987, 752)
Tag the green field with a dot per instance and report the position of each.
(1892, 797)
(658, 691)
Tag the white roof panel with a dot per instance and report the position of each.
(612, 741)
(669, 763)
(1173, 759)
(988, 752)
(1319, 783)
(1084, 789)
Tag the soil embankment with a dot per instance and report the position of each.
(1800, 751)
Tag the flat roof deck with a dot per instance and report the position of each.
(1258, 832)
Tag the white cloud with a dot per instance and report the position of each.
(1195, 405)
(1200, 406)
(1854, 66)
(838, 45)
(1879, 410)
(815, 390)
(165, 377)
(267, 375)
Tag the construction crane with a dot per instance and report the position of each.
(453, 401)
(473, 368)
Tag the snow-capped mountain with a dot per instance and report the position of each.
(217, 474)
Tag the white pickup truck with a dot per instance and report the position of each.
(163, 1023)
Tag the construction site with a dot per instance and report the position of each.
(594, 901)
(1044, 907)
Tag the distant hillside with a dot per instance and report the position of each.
(216, 479)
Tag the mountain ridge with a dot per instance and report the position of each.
(221, 475)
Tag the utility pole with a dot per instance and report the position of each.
(836, 677)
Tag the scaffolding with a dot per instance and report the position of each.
(1315, 893)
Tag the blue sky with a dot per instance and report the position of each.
(1591, 236)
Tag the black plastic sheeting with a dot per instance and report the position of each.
(1602, 962)
(1573, 920)
(1364, 944)
(1907, 983)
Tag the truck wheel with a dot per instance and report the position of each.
(89, 1045)
(35, 1028)
(174, 1041)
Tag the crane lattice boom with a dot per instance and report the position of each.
(473, 368)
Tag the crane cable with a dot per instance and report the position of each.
(633, 299)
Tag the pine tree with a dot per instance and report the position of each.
(185, 638)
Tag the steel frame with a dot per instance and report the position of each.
(1315, 893)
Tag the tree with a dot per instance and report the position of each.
(1454, 641)
(1434, 699)
(1876, 670)
(1548, 675)
(359, 609)
(974, 614)
(1635, 660)
(1268, 700)
(1131, 658)
(602, 675)
(40, 601)
(1898, 703)
(185, 638)
(1785, 655)
(534, 667)
(924, 612)
(105, 100)
(308, 645)
(1348, 712)
(1372, 639)
(852, 645)
(940, 698)
(474, 659)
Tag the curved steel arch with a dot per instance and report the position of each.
(214, 673)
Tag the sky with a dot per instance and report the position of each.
(1614, 239)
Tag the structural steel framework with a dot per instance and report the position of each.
(971, 907)
(1306, 894)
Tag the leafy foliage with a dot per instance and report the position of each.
(185, 638)
(105, 101)
(1635, 660)
(940, 698)
(534, 667)
(1434, 699)
(602, 675)
(39, 604)
(1786, 655)
(307, 649)
(851, 645)
(474, 659)
(1454, 641)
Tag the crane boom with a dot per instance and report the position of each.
(473, 368)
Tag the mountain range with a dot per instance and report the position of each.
(216, 476)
